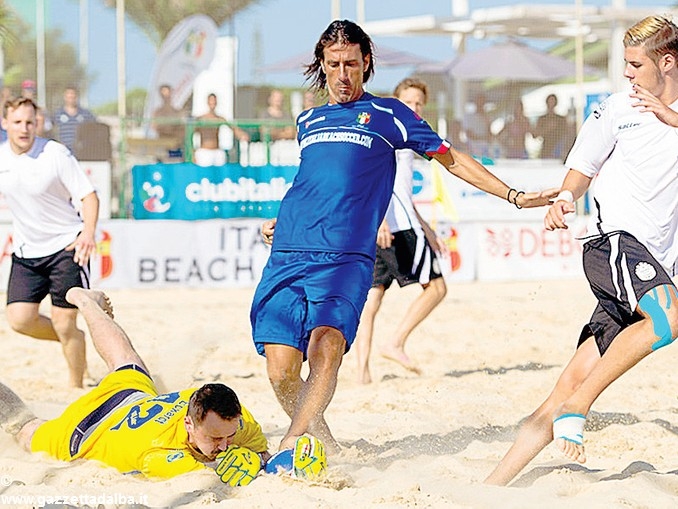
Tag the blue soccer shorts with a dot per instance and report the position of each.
(300, 291)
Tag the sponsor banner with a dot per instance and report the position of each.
(520, 251)
(458, 262)
(230, 253)
(190, 192)
(142, 254)
(139, 254)
(472, 204)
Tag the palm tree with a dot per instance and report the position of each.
(7, 19)
(157, 17)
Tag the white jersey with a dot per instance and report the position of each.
(43, 187)
(635, 158)
(400, 214)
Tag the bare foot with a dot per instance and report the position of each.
(288, 442)
(321, 430)
(568, 432)
(364, 377)
(572, 450)
(399, 356)
(331, 445)
(79, 296)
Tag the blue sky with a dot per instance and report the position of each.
(286, 28)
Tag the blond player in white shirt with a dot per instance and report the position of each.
(408, 252)
(54, 212)
(630, 143)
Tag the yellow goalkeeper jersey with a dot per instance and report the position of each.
(144, 433)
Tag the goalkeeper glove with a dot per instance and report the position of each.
(238, 466)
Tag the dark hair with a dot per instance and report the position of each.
(217, 398)
(16, 102)
(341, 32)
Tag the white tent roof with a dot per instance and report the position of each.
(533, 20)
(537, 21)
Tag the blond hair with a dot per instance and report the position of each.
(658, 35)
(15, 102)
(411, 83)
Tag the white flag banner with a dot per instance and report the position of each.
(186, 51)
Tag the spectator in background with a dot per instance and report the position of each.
(210, 152)
(44, 122)
(275, 112)
(476, 125)
(69, 117)
(512, 136)
(553, 130)
(167, 120)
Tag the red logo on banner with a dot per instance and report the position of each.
(453, 249)
(104, 250)
(6, 248)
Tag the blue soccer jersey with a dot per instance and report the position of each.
(346, 174)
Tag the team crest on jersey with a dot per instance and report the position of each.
(364, 118)
(645, 271)
(173, 456)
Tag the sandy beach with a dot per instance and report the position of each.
(490, 354)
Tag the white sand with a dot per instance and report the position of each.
(491, 353)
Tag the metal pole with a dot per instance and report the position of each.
(122, 108)
(360, 11)
(120, 28)
(579, 64)
(615, 59)
(460, 9)
(82, 50)
(40, 50)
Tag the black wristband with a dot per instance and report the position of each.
(515, 199)
(508, 196)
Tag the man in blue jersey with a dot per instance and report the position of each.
(313, 288)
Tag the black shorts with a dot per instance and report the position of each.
(620, 271)
(32, 279)
(410, 259)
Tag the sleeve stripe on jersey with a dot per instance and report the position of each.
(382, 108)
(401, 128)
(442, 149)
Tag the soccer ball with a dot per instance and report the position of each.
(280, 462)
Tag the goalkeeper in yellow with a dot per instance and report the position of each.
(126, 424)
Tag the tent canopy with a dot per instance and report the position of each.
(511, 60)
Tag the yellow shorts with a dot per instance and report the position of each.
(61, 437)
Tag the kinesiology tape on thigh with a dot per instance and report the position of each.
(649, 303)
